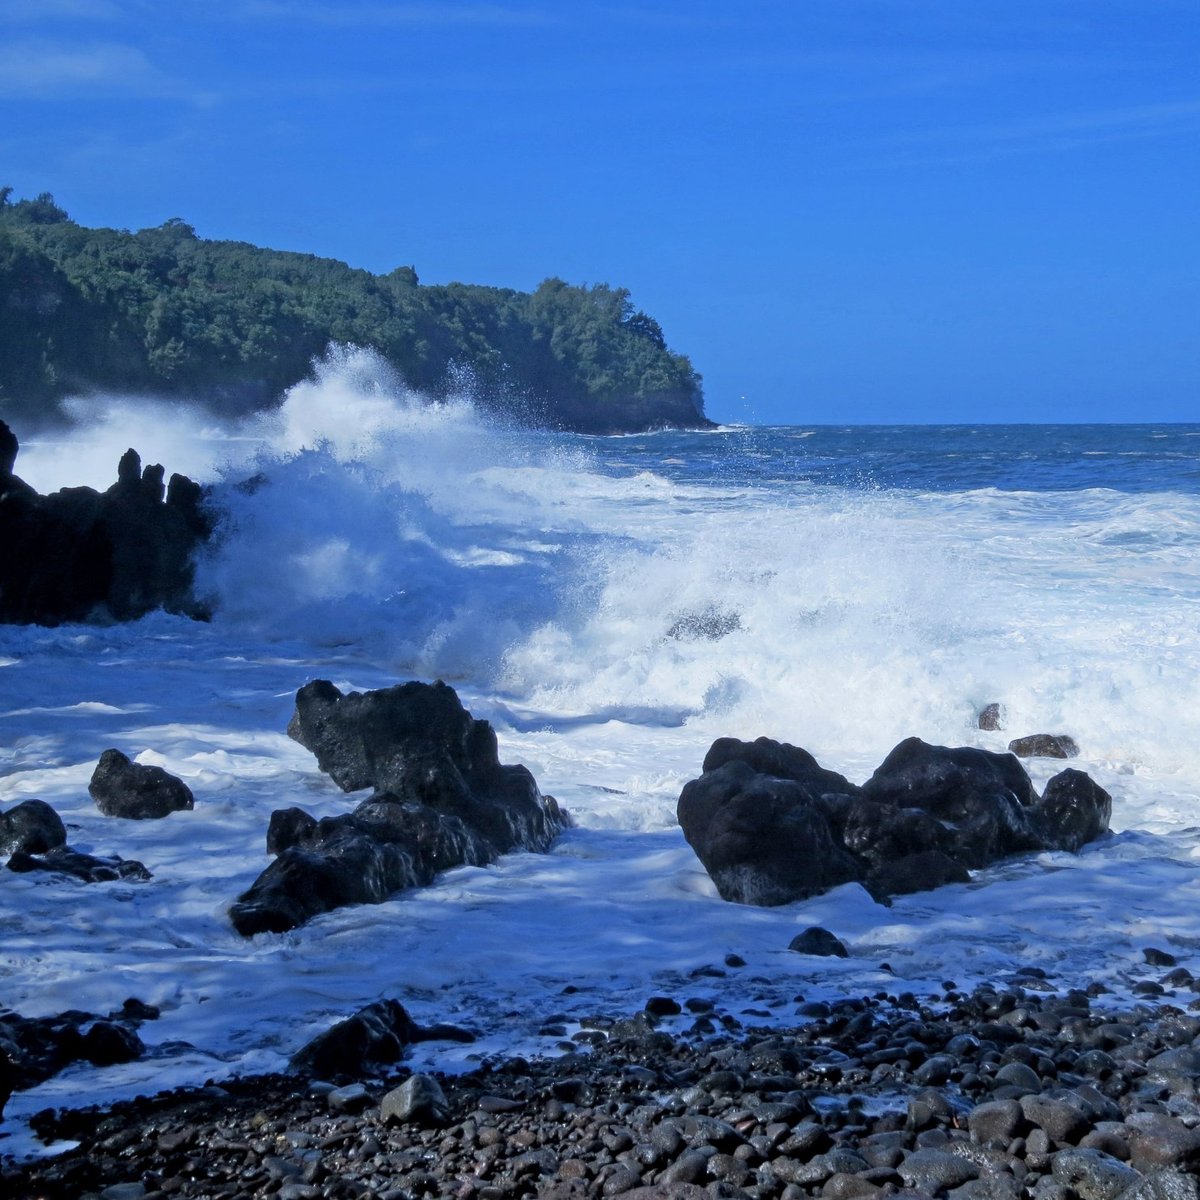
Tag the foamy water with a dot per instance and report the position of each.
(612, 606)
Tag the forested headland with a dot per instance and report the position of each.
(164, 313)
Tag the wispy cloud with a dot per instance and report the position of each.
(47, 70)
(1053, 132)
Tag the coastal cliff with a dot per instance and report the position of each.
(165, 313)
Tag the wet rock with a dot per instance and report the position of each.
(1044, 745)
(991, 717)
(1093, 1175)
(35, 1049)
(1060, 1114)
(1164, 1185)
(1157, 1140)
(352, 1098)
(122, 788)
(936, 1171)
(31, 827)
(941, 780)
(1158, 958)
(419, 1098)
(80, 555)
(663, 1006)
(443, 799)
(107, 1042)
(1073, 811)
(375, 1036)
(818, 941)
(771, 826)
(762, 839)
(915, 873)
(89, 868)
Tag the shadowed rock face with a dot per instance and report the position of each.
(123, 788)
(80, 555)
(442, 799)
(34, 1049)
(772, 826)
(31, 827)
(374, 1037)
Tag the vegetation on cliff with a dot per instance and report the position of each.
(163, 312)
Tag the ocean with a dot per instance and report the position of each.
(611, 605)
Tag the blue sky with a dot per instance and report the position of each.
(841, 210)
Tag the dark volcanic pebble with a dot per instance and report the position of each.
(1009, 1093)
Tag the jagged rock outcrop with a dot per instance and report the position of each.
(442, 799)
(772, 826)
(82, 555)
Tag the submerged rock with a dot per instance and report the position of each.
(772, 826)
(1045, 745)
(34, 837)
(62, 860)
(442, 799)
(819, 941)
(34, 1049)
(991, 717)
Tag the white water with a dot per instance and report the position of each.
(392, 540)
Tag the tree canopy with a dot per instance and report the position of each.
(163, 312)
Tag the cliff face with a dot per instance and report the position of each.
(164, 313)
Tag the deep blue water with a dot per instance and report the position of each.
(938, 458)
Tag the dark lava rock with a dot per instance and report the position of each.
(1074, 810)
(123, 788)
(815, 940)
(1044, 745)
(941, 780)
(725, 1116)
(419, 1098)
(442, 799)
(31, 827)
(1158, 958)
(80, 555)
(915, 873)
(763, 839)
(772, 826)
(991, 717)
(376, 1036)
(62, 860)
(33, 1049)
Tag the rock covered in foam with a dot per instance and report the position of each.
(89, 868)
(771, 826)
(1045, 745)
(442, 799)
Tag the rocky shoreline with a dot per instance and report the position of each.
(1027, 1088)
